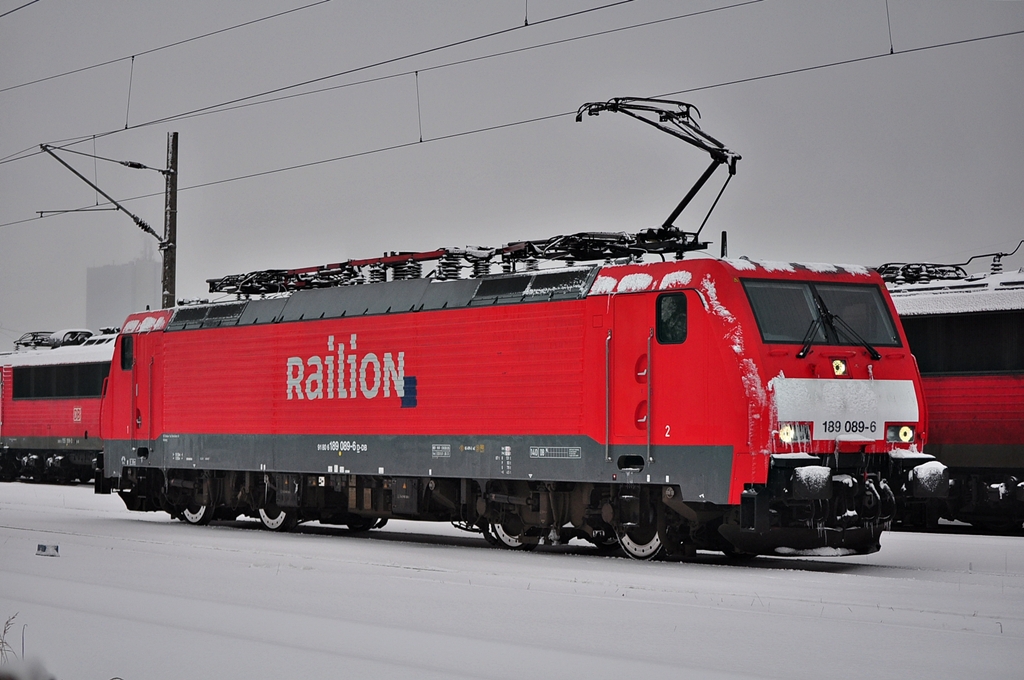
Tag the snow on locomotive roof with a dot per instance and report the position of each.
(746, 264)
(426, 294)
(632, 281)
(94, 350)
(976, 293)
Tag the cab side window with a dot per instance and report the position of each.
(671, 323)
(127, 353)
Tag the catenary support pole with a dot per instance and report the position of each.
(169, 246)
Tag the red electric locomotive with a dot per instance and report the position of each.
(661, 406)
(967, 333)
(50, 405)
(706, 403)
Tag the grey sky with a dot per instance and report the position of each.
(914, 156)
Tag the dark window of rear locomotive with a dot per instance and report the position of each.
(49, 382)
(978, 342)
(671, 325)
(127, 355)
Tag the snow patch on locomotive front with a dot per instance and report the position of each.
(750, 376)
(930, 478)
(707, 286)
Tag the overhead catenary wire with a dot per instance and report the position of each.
(842, 62)
(155, 49)
(457, 62)
(12, 11)
(128, 164)
(383, 62)
(244, 103)
(777, 74)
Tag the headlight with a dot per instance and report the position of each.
(794, 433)
(900, 433)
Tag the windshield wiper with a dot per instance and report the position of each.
(809, 337)
(853, 335)
(836, 323)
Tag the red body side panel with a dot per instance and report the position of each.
(985, 409)
(35, 423)
(505, 370)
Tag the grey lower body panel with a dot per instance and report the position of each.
(703, 473)
(52, 443)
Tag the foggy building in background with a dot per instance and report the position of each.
(114, 291)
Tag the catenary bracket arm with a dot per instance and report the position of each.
(141, 223)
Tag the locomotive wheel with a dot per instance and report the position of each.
(198, 515)
(641, 540)
(503, 539)
(641, 543)
(277, 519)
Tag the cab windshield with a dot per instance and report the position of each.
(815, 313)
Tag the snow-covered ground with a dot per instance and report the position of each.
(141, 596)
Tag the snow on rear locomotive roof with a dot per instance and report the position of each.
(69, 354)
(978, 293)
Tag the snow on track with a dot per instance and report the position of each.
(138, 595)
